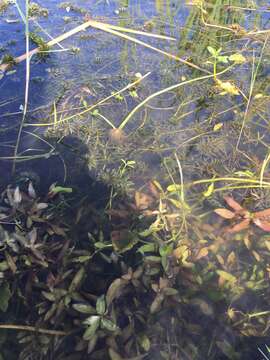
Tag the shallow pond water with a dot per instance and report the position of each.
(208, 131)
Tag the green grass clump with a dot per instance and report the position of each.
(8, 59)
(37, 10)
(37, 40)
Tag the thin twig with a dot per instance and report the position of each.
(68, 34)
(33, 329)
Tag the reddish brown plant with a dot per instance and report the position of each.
(244, 217)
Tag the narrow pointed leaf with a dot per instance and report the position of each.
(240, 226)
(264, 225)
(262, 214)
(227, 276)
(233, 204)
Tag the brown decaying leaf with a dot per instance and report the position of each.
(225, 213)
(202, 253)
(233, 204)
(118, 213)
(115, 290)
(117, 136)
(142, 200)
(153, 190)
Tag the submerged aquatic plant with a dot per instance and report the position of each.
(36, 10)
(9, 60)
(227, 87)
(246, 218)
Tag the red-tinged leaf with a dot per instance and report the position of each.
(233, 204)
(264, 214)
(240, 226)
(225, 213)
(264, 225)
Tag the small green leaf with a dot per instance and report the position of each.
(60, 189)
(227, 87)
(218, 126)
(222, 59)
(4, 266)
(246, 173)
(101, 305)
(76, 281)
(95, 112)
(170, 291)
(174, 187)
(147, 248)
(209, 190)
(115, 290)
(144, 342)
(237, 58)
(93, 322)
(147, 232)
(100, 245)
(5, 296)
(82, 259)
(108, 324)
(164, 262)
(178, 204)
(227, 276)
(84, 308)
(166, 249)
(212, 51)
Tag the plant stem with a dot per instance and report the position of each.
(27, 81)
(33, 329)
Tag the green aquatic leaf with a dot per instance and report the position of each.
(93, 322)
(147, 248)
(170, 291)
(174, 187)
(108, 324)
(222, 59)
(227, 87)
(212, 51)
(60, 189)
(144, 342)
(123, 240)
(75, 283)
(166, 249)
(115, 290)
(84, 308)
(237, 58)
(101, 305)
(227, 276)
(5, 295)
(209, 190)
